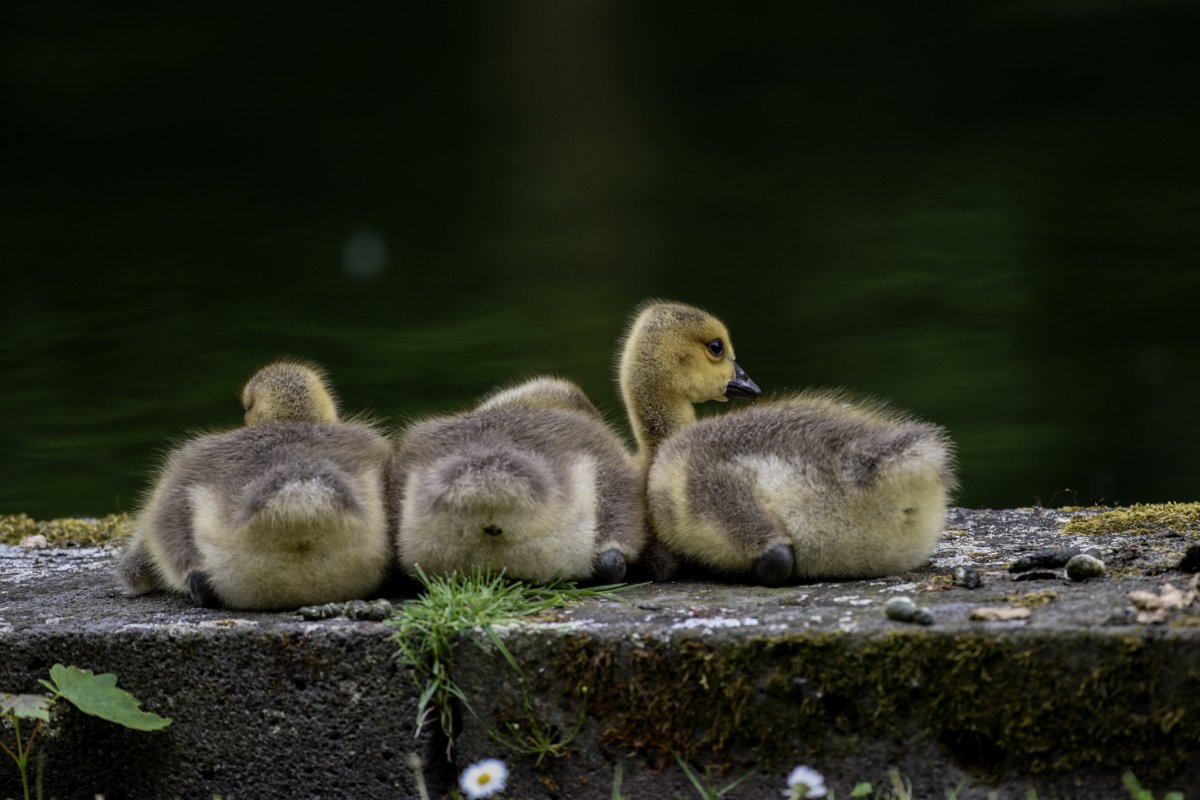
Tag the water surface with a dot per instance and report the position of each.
(987, 216)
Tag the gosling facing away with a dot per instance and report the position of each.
(531, 481)
(287, 511)
(542, 392)
(809, 486)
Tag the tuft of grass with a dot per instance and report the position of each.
(1142, 518)
(468, 606)
(536, 739)
(706, 788)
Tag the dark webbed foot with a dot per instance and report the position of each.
(610, 567)
(660, 562)
(775, 566)
(202, 591)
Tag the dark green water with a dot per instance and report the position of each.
(991, 217)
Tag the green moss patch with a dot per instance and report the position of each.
(81, 532)
(1033, 703)
(1143, 518)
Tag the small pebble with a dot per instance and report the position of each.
(966, 576)
(1084, 566)
(35, 542)
(904, 609)
(1044, 559)
(374, 610)
(326, 611)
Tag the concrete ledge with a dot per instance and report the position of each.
(265, 705)
(734, 677)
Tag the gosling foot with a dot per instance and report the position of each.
(660, 562)
(610, 567)
(202, 591)
(775, 566)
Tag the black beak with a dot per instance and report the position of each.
(741, 385)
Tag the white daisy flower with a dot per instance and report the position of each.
(484, 778)
(804, 782)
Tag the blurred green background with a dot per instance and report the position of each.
(988, 213)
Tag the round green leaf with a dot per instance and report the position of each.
(99, 696)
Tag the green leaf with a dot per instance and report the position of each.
(861, 790)
(26, 706)
(99, 696)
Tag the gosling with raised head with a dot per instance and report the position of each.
(808, 486)
(531, 482)
(287, 511)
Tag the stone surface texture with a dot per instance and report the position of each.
(728, 677)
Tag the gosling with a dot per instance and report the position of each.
(809, 486)
(531, 481)
(542, 392)
(287, 511)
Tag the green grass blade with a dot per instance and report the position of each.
(691, 776)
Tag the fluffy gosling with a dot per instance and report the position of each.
(287, 511)
(531, 481)
(809, 486)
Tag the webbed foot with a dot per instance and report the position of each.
(660, 562)
(775, 566)
(202, 591)
(610, 567)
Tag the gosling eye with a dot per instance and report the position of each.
(716, 347)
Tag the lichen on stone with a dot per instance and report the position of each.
(1141, 518)
(81, 531)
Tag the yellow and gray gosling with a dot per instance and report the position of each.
(542, 392)
(809, 486)
(289, 391)
(531, 481)
(287, 511)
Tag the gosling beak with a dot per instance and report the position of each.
(741, 385)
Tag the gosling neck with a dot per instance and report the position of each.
(654, 420)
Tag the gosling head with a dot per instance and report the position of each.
(673, 357)
(289, 391)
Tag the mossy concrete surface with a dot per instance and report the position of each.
(749, 679)
(264, 705)
(729, 677)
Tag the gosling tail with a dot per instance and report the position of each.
(487, 478)
(909, 447)
(304, 491)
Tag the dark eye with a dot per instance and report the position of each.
(716, 347)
